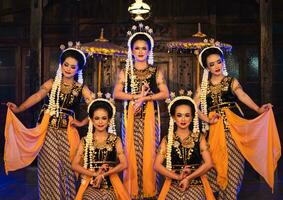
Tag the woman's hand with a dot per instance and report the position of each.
(13, 107)
(138, 103)
(186, 171)
(264, 108)
(214, 119)
(184, 184)
(104, 168)
(97, 181)
(99, 175)
(145, 89)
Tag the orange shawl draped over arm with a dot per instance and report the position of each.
(22, 144)
(257, 140)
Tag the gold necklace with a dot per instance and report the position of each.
(67, 84)
(65, 88)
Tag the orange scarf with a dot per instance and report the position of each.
(149, 175)
(22, 145)
(257, 140)
(207, 189)
(120, 190)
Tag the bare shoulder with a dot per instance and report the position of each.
(47, 85)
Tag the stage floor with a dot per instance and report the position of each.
(22, 185)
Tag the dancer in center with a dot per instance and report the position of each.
(140, 85)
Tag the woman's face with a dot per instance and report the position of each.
(100, 119)
(183, 116)
(140, 51)
(215, 64)
(70, 67)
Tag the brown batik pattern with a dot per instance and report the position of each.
(55, 176)
(92, 193)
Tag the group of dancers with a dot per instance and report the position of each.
(195, 163)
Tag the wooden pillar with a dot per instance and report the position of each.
(35, 44)
(35, 52)
(266, 50)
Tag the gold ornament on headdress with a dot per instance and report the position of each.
(171, 102)
(89, 138)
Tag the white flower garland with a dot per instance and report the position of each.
(53, 107)
(169, 144)
(224, 69)
(203, 103)
(89, 147)
(80, 77)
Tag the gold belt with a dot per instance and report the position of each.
(220, 106)
(63, 119)
(181, 167)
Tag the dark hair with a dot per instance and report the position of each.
(100, 105)
(183, 102)
(209, 52)
(73, 54)
(141, 37)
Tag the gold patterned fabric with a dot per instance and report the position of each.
(220, 93)
(147, 76)
(69, 102)
(103, 153)
(184, 152)
(187, 151)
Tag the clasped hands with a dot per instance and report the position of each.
(98, 176)
(184, 178)
(140, 98)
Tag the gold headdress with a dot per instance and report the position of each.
(171, 102)
(111, 129)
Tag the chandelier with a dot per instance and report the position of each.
(138, 10)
